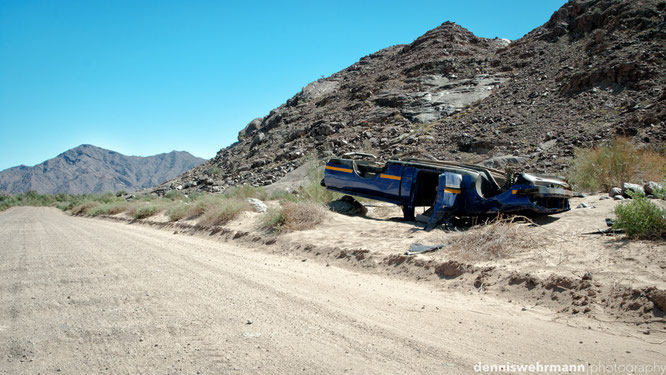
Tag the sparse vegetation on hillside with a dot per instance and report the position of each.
(610, 165)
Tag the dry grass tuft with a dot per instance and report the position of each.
(223, 211)
(602, 168)
(108, 209)
(499, 239)
(83, 208)
(303, 215)
(294, 216)
(142, 210)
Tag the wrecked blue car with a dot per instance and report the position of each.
(451, 190)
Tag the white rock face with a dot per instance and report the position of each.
(320, 88)
(439, 96)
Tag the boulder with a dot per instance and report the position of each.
(257, 205)
(652, 187)
(349, 206)
(628, 189)
(613, 192)
(250, 128)
(258, 139)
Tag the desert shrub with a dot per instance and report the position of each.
(293, 216)
(498, 239)
(144, 210)
(223, 211)
(611, 165)
(641, 218)
(178, 211)
(174, 195)
(80, 204)
(83, 208)
(273, 220)
(101, 209)
(302, 215)
(108, 209)
(213, 171)
(283, 195)
(202, 203)
(30, 198)
(312, 190)
(5, 202)
(106, 198)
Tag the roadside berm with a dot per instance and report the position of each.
(556, 263)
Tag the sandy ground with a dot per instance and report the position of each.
(558, 243)
(92, 296)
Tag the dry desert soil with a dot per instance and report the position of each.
(81, 296)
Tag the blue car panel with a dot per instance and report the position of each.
(452, 189)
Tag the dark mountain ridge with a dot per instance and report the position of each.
(89, 169)
(595, 70)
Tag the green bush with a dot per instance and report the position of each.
(145, 210)
(102, 209)
(178, 211)
(108, 209)
(273, 220)
(641, 218)
(174, 195)
(83, 208)
(213, 171)
(613, 164)
(283, 195)
(313, 191)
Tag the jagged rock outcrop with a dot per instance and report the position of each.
(87, 169)
(593, 71)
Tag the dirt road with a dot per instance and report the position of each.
(91, 296)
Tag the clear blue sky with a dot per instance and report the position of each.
(144, 77)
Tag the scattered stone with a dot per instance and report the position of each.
(652, 188)
(619, 198)
(604, 197)
(584, 205)
(257, 205)
(349, 206)
(613, 192)
(628, 189)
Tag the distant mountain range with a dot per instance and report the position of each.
(88, 169)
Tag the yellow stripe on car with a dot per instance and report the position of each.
(390, 177)
(453, 191)
(346, 170)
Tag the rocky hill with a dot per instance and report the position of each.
(89, 169)
(593, 71)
